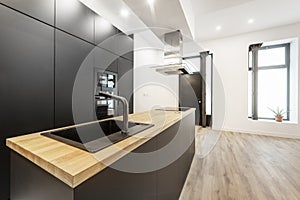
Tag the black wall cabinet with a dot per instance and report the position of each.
(75, 18)
(26, 81)
(104, 30)
(119, 44)
(125, 81)
(105, 60)
(70, 54)
(40, 9)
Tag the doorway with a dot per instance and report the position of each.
(195, 90)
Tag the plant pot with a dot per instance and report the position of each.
(278, 118)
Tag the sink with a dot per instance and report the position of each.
(92, 138)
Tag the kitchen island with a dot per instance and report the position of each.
(44, 168)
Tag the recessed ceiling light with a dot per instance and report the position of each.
(218, 28)
(250, 21)
(124, 12)
(151, 2)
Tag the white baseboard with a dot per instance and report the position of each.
(262, 133)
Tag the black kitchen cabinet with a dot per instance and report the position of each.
(75, 18)
(179, 140)
(125, 81)
(168, 185)
(128, 42)
(26, 81)
(70, 54)
(105, 60)
(104, 30)
(119, 44)
(40, 9)
(113, 67)
(117, 184)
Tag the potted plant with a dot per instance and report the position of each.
(279, 114)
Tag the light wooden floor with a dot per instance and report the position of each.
(244, 166)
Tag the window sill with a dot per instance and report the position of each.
(273, 121)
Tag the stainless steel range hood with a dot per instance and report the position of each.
(173, 64)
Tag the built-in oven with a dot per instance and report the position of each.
(105, 81)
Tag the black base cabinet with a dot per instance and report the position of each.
(111, 184)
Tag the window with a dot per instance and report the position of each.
(269, 80)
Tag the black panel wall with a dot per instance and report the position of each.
(125, 82)
(42, 45)
(104, 30)
(75, 18)
(70, 52)
(40, 9)
(26, 81)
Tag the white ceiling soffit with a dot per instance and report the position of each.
(164, 16)
(187, 8)
(233, 15)
(111, 11)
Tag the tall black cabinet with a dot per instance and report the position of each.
(70, 52)
(43, 44)
(26, 81)
(125, 82)
(42, 10)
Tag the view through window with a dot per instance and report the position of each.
(271, 77)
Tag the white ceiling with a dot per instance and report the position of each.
(164, 16)
(232, 15)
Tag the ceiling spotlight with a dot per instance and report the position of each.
(250, 21)
(124, 12)
(150, 2)
(218, 28)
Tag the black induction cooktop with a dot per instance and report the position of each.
(174, 108)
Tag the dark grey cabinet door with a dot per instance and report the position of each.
(168, 178)
(125, 81)
(40, 9)
(26, 81)
(70, 54)
(113, 183)
(128, 42)
(105, 60)
(119, 44)
(104, 30)
(75, 18)
(113, 67)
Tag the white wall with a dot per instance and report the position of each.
(151, 89)
(231, 62)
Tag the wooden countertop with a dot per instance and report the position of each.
(73, 166)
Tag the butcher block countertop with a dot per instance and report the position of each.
(72, 165)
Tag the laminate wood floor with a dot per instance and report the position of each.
(244, 166)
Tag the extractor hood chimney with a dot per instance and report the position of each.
(173, 56)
